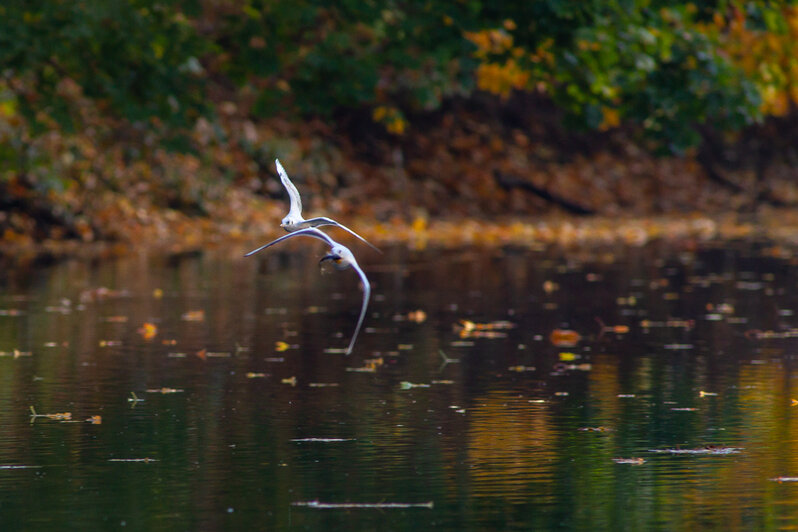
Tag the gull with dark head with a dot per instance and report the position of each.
(342, 259)
(293, 221)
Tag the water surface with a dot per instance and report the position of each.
(463, 405)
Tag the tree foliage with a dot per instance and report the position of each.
(665, 67)
(138, 59)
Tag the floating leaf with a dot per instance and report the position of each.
(148, 330)
(193, 315)
(630, 461)
(61, 416)
(322, 440)
(417, 316)
(470, 329)
(710, 450)
(355, 505)
(550, 286)
(405, 385)
(564, 337)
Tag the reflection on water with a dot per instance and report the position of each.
(200, 395)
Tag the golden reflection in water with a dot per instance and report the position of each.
(511, 447)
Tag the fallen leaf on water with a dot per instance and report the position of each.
(375, 362)
(709, 449)
(96, 294)
(564, 337)
(363, 369)
(110, 343)
(578, 367)
(793, 402)
(470, 329)
(254, 375)
(60, 416)
(702, 393)
(322, 440)
(157, 293)
(281, 346)
(193, 315)
(550, 286)
(720, 308)
(164, 390)
(767, 335)
(115, 319)
(202, 354)
(462, 343)
(568, 357)
(405, 385)
(630, 461)
(355, 505)
(615, 329)
(417, 316)
(148, 330)
(520, 369)
(16, 353)
(95, 420)
(290, 380)
(672, 323)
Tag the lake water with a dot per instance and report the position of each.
(502, 389)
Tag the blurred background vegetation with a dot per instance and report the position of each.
(126, 114)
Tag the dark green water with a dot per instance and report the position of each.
(512, 433)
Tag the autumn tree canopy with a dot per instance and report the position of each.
(663, 65)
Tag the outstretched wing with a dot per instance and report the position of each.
(366, 296)
(323, 220)
(310, 231)
(295, 211)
